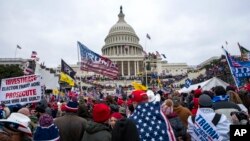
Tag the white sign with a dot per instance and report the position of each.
(20, 90)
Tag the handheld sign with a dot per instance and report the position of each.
(20, 90)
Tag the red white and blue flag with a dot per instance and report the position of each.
(91, 61)
(158, 54)
(34, 56)
(239, 69)
(151, 123)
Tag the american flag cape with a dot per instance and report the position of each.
(151, 123)
(91, 61)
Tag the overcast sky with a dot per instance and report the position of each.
(186, 31)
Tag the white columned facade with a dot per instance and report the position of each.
(135, 68)
(138, 67)
(122, 45)
(128, 68)
(122, 69)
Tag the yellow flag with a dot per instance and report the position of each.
(65, 78)
(138, 86)
(55, 91)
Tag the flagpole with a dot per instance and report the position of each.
(145, 68)
(230, 69)
(78, 51)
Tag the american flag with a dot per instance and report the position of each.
(29, 68)
(34, 56)
(158, 54)
(231, 60)
(148, 36)
(151, 123)
(91, 61)
(18, 47)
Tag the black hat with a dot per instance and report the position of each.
(205, 101)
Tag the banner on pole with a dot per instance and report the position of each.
(20, 90)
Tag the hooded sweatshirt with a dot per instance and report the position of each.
(125, 130)
(96, 132)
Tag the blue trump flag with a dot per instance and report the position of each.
(91, 61)
(188, 83)
(240, 70)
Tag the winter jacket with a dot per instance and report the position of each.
(183, 113)
(195, 106)
(177, 126)
(125, 130)
(225, 107)
(96, 132)
(71, 127)
(205, 128)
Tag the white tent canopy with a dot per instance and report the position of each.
(206, 85)
(48, 79)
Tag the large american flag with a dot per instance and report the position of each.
(231, 60)
(151, 123)
(91, 61)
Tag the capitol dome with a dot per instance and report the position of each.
(122, 47)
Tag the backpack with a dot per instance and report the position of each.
(215, 120)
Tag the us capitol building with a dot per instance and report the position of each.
(123, 48)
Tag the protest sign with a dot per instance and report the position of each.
(20, 90)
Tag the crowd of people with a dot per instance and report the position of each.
(143, 115)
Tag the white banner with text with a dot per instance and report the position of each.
(21, 90)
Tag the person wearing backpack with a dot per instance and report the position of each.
(206, 124)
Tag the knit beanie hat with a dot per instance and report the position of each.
(72, 106)
(101, 112)
(117, 115)
(46, 130)
(205, 100)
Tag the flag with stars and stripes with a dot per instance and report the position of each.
(239, 69)
(151, 123)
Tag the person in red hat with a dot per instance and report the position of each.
(114, 118)
(98, 129)
(138, 96)
(71, 126)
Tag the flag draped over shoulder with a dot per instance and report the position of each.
(245, 53)
(151, 123)
(91, 61)
(67, 69)
(239, 69)
(65, 78)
